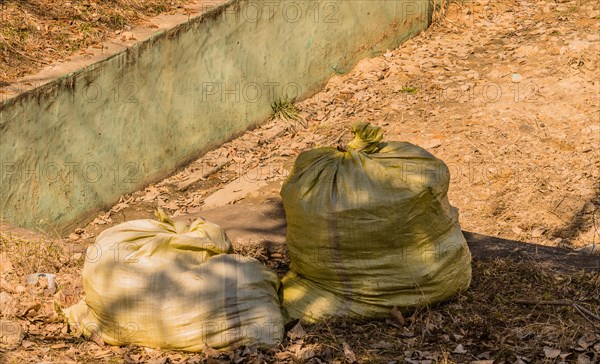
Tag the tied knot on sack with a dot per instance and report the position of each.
(366, 138)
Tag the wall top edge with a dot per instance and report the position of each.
(65, 72)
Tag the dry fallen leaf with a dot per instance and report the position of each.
(210, 352)
(31, 310)
(459, 349)
(97, 339)
(102, 354)
(133, 358)
(583, 359)
(283, 355)
(161, 360)
(250, 350)
(586, 340)
(238, 357)
(118, 207)
(397, 315)
(486, 355)
(348, 353)
(521, 361)
(306, 353)
(297, 332)
(551, 352)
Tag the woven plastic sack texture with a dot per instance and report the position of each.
(172, 285)
(370, 227)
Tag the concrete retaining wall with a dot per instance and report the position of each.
(73, 146)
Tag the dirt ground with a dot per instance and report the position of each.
(506, 93)
(510, 103)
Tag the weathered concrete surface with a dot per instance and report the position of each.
(73, 146)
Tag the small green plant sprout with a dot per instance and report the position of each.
(409, 90)
(284, 109)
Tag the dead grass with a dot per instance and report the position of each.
(439, 10)
(35, 33)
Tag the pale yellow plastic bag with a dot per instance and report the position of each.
(171, 285)
(369, 228)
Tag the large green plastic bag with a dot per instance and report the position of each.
(369, 228)
(170, 285)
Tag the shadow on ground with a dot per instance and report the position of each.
(264, 223)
